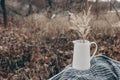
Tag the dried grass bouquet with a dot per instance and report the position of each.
(80, 23)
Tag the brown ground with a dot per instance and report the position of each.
(38, 48)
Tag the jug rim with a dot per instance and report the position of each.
(80, 41)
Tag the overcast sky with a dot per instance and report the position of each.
(102, 0)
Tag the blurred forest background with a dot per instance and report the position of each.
(36, 39)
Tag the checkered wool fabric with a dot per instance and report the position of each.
(102, 68)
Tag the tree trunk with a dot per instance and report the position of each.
(96, 9)
(2, 3)
(110, 6)
(49, 3)
(30, 8)
(86, 5)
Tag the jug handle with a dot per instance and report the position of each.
(95, 49)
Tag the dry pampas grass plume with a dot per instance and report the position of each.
(80, 22)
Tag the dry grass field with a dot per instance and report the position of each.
(36, 47)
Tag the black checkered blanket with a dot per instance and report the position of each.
(102, 68)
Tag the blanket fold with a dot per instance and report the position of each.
(102, 68)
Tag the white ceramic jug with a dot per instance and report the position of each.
(81, 54)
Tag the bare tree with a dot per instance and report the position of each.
(86, 5)
(112, 2)
(30, 8)
(96, 8)
(2, 3)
